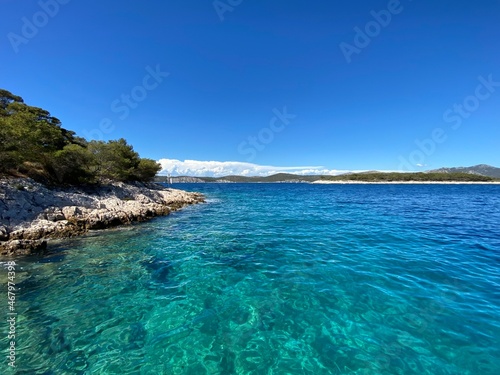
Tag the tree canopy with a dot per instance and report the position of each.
(33, 143)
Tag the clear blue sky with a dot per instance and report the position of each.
(227, 76)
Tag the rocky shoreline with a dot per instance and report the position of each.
(31, 213)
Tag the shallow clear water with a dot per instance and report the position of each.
(275, 279)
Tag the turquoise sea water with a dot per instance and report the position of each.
(274, 279)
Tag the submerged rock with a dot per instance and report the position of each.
(23, 247)
(4, 234)
(30, 215)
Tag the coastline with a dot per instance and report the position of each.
(32, 213)
(326, 182)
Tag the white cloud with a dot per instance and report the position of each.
(224, 168)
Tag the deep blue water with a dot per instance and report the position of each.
(275, 279)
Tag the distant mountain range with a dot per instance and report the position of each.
(477, 170)
(481, 169)
(280, 177)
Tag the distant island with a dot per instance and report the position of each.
(465, 175)
(410, 177)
